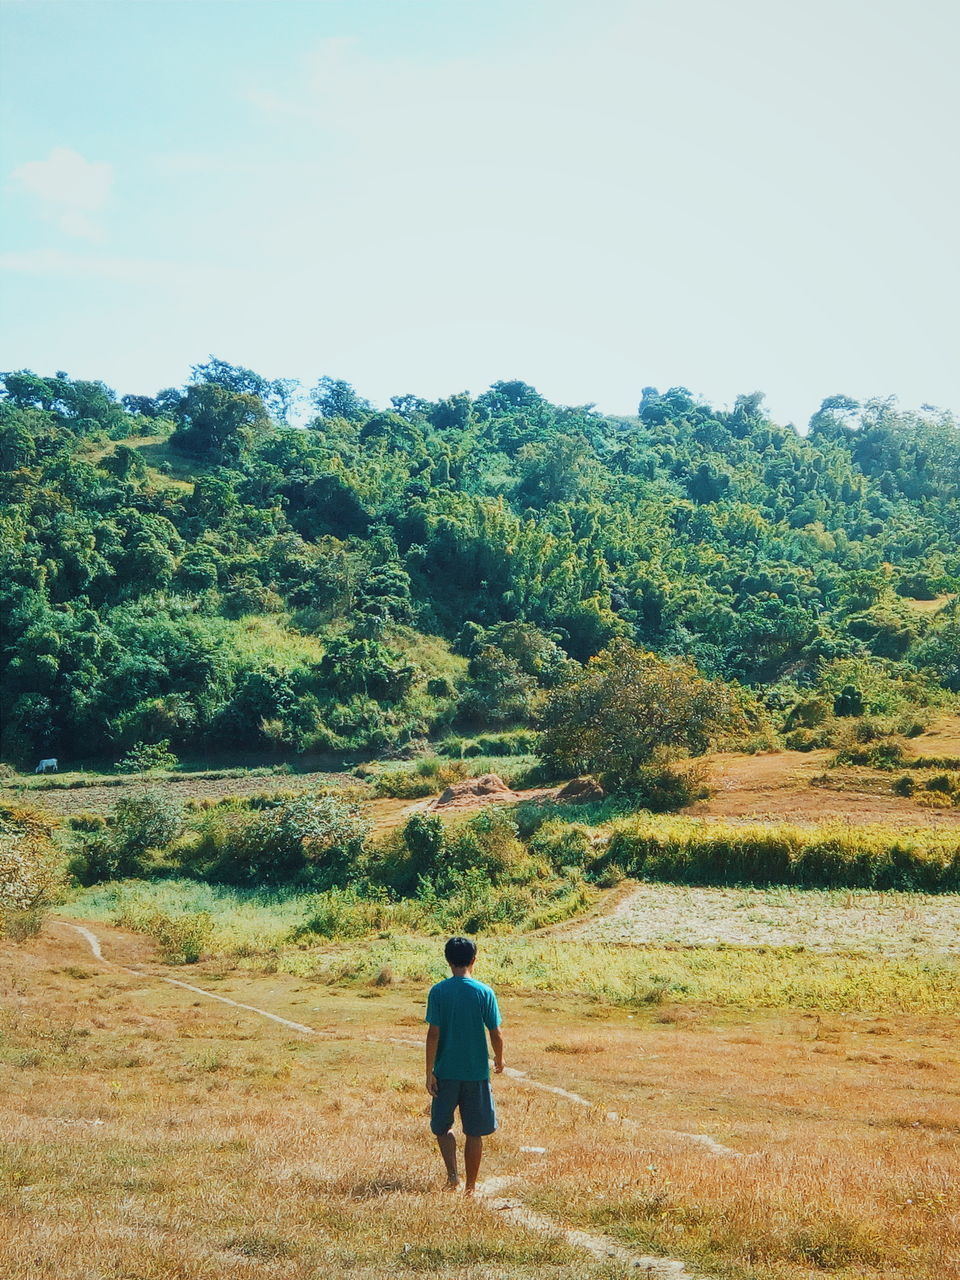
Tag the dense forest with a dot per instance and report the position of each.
(191, 568)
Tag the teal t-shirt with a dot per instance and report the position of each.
(463, 1009)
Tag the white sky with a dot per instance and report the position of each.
(427, 195)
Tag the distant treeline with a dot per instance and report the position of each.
(188, 567)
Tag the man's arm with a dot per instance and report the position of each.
(496, 1040)
(433, 1039)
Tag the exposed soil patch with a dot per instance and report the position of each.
(581, 791)
(476, 793)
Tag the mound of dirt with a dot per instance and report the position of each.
(581, 791)
(489, 788)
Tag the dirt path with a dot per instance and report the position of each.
(599, 1246)
(603, 1248)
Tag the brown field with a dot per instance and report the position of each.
(794, 786)
(780, 786)
(153, 1134)
(941, 739)
(99, 799)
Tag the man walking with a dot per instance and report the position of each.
(460, 1011)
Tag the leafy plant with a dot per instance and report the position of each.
(148, 757)
(627, 706)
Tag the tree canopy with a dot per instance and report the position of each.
(187, 567)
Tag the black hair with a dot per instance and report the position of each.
(460, 952)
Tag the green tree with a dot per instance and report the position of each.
(218, 425)
(335, 398)
(627, 706)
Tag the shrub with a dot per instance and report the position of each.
(807, 739)
(488, 842)
(31, 877)
(563, 844)
(904, 786)
(848, 702)
(426, 778)
(511, 742)
(808, 714)
(427, 849)
(149, 820)
(147, 757)
(182, 938)
(878, 755)
(946, 782)
(934, 800)
(137, 825)
(87, 822)
(310, 839)
(668, 787)
(349, 913)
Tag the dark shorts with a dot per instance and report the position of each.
(475, 1100)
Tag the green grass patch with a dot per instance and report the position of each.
(272, 932)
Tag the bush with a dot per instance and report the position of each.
(934, 800)
(512, 742)
(947, 782)
(848, 702)
(563, 844)
(879, 755)
(149, 820)
(807, 739)
(137, 825)
(31, 876)
(311, 840)
(809, 714)
(182, 938)
(425, 778)
(667, 788)
(147, 757)
(904, 786)
(348, 913)
(87, 822)
(427, 849)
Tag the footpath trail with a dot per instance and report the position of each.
(490, 1191)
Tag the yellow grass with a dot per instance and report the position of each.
(254, 636)
(233, 1146)
(929, 606)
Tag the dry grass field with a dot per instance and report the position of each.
(151, 1134)
(850, 920)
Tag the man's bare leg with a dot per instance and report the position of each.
(448, 1149)
(472, 1152)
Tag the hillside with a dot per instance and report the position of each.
(186, 567)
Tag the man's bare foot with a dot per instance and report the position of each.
(453, 1184)
(469, 1190)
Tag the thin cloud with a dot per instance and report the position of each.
(139, 271)
(69, 189)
